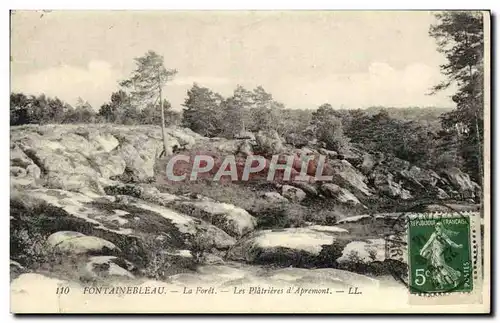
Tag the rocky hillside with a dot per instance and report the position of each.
(89, 203)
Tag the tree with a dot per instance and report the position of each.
(237, 112)
(328, 128)
(202, 111)
(37, 109)
(152, 114)
(409, 140)
(267, 114)
(146, 84)
(459, 36)
(119, 109)
(83, 113)
(19, 109)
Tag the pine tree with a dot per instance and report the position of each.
(460, 37)
(146, 84)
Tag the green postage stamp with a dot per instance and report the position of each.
(440, 255)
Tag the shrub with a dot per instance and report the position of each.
(161, 261)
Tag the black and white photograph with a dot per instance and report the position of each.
(239, 161)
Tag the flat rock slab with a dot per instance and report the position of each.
(76, 243)
(292, 246)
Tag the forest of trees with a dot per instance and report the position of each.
(429, 137)
(212, 115)
(32, 109)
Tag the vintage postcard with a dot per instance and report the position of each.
(250, 162)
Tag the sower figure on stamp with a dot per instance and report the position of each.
(433, 251)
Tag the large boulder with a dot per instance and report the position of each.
(386, 185)
(60, 236)
(345, 175)
(124, 219)
(269, 142)
(411, 178)
(24, 172)
(461, 182)
(441, 194)
(294, 194)
(422, 177)
(74, 182)
(108, 165)
(275, 197)
(231, 219)
(369, 256)
(140, 161)
(367, 164)
(363, 251)
(67, 154)
(100, 268)
(61, 152)
(332, 154)
(104, 142)
(339, 194)
(353, 155)
(18, 157)
(301, 247)
(308, 188)
(61, 156)
(186, 137)
(76, 243)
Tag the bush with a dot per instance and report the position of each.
(327, 128)
(282, 215)
(161, 260)
(28, 247)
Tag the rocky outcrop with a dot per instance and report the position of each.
(294, 194)
(347, 176)
(124, 218)
(339, 194)
(269, 142)
(74, 158)
(309, 189)
(441, 194)
(76, 243)
(231, 219)
(301, 247)
(363, 252)
(274, 197)
(421, 177)
(92, 194)
(329, 153)
(386, 185)
(107, 268)
(461, 182)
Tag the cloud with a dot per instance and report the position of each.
(381, 84)
(93, 83)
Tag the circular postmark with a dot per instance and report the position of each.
(430, 252)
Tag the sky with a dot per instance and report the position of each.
(346, 58)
